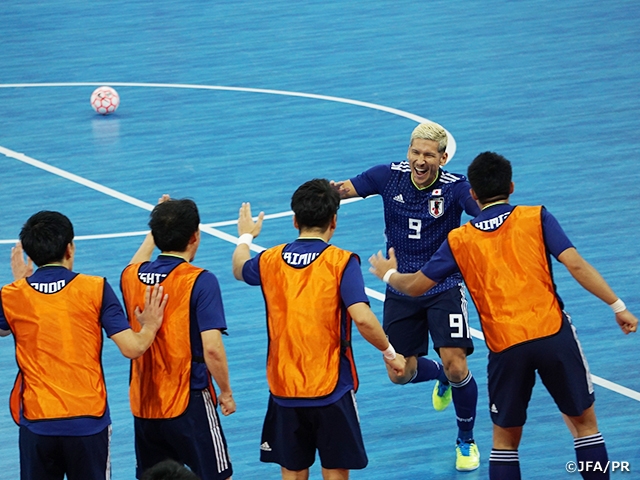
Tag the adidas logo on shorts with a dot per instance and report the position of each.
(265, 446)
(494, 409)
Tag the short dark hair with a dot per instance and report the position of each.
(169, 470)
(315, 203)
(490, 176)
(45, 237)
(172, 223)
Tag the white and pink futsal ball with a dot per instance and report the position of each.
(105, 100)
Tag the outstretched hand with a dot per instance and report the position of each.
(246, 223)
(381, 265)
(19, 267)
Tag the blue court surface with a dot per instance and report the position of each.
(227, 102)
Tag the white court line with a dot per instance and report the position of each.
(451, 141)
(627, 392)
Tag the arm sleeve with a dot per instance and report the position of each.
(372, 181)
(206, 302)
(555, 239)
(251, 271)
(112, 315)
(441, 265)
(466, 200)
(352, 285)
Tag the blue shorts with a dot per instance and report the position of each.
(291, 436)
(44, 457)
(408, 321)
(559, 361)
(194, 439)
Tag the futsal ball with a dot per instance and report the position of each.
(105, 100)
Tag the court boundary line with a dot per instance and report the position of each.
(451, 142)
(609, 385)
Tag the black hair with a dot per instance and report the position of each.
(169, 470)
(315, 203)
(45, 237)
(173, 223)
(490, 176)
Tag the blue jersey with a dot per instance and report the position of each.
(206, 309)
(300, 254)
(417, 221)
(113, 320)
(442, 265)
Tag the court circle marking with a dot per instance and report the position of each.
(451, 142)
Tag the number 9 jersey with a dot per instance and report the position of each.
(418, 220)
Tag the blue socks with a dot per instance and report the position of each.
(464, 393)
(465, 399)
(428, 369)
(504, 465)
(592, 457)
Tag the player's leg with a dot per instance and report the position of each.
(288, 440)
(41, 456)
(565, 374)
(504, 463)
(198, 439)
(405, 323)
(335, 474)
(339, 438)
(294, 474)
(511, 378)
(88, 457)
(449, 329)
(588, 443)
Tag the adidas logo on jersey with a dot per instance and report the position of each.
(494, 409)
(398, 198)
(265, 446)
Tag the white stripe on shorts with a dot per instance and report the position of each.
(584, 359)
(222, 458)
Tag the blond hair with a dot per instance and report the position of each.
(431, 131)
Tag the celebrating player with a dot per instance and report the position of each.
(312, 291)
(171, 393)
(56, 316)
(503, 255)
(422, 203)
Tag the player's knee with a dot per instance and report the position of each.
(456, 371)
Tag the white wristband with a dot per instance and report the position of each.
(387, 275)
(389, 353)
(245, 238)
(618, 306)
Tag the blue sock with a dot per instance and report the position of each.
(428, 369)
(504, 465)
(465, 400)
(592, 449)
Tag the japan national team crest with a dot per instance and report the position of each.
(436, 207)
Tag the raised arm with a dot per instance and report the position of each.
(134, 344)
(413, 284)
(591, 280)
(247, 231)
(344, 188)
(370, 329)
(145, 251)
(19, 267)
(215, 358)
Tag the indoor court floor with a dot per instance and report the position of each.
(231, 102)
